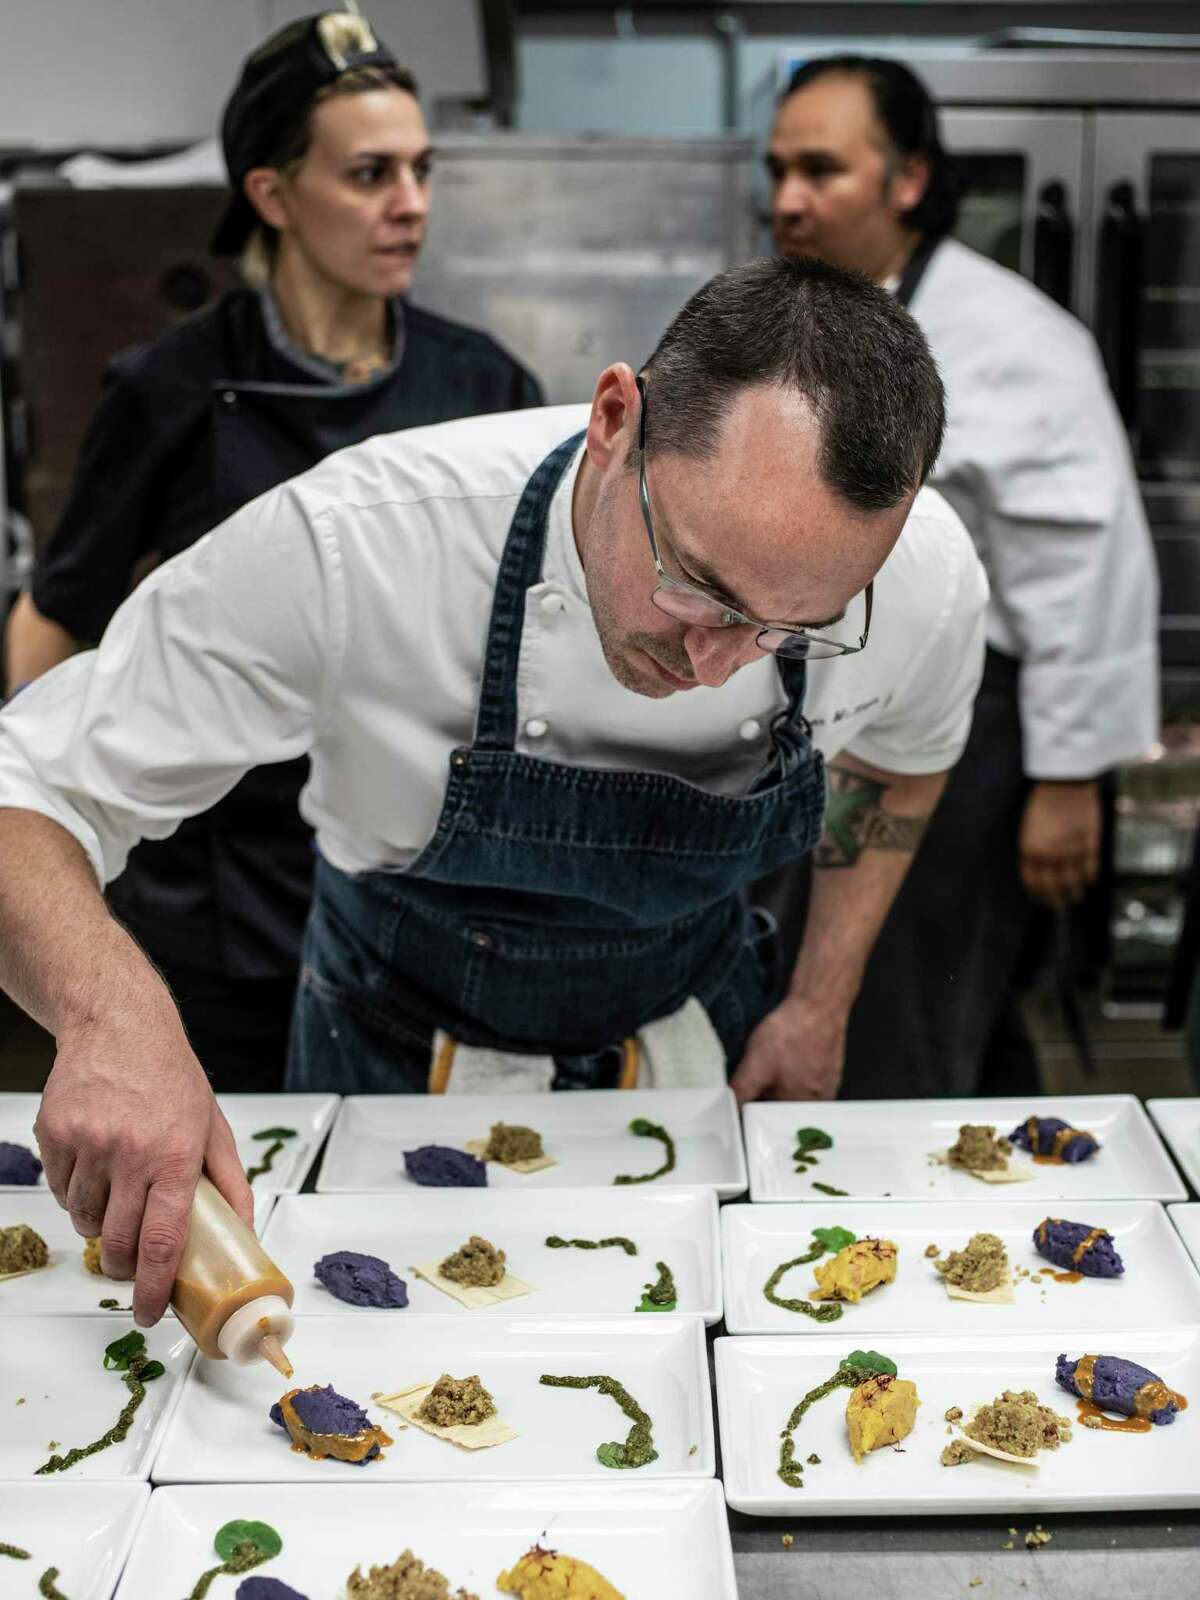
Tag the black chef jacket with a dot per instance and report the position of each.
(188, 429)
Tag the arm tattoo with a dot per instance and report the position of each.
(855, 821)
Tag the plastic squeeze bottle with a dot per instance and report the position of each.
(229, 1294)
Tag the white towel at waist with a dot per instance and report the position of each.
(681, 1051)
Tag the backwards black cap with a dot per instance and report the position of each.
(277, 83)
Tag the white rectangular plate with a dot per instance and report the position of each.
(760, 1380)
(17, 1112)
(757, 1239)
(677, 1226)
(310, 1114)
(654, 1539)
(587, 1133)
(66, 1287)
(83, 1529)
(1179, 1123)
(222, 1432)
(881, 1150)
(55, 1365)
(1186, 1217)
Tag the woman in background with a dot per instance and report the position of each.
(329, 160)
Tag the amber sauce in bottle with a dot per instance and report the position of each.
(224, 1270)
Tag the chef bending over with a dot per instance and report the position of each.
(555, 671)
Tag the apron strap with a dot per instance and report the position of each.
(793, 673)
(520, 569)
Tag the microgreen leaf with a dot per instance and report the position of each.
(834, 1239)
(260, 1534)
(121, 1352)
(870, 1361)
(812, 1139)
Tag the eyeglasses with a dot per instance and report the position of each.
(705, 608)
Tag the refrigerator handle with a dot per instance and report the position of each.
(1119, 295)
(1054, 243)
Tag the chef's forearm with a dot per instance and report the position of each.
(873, 824)
(63, 957)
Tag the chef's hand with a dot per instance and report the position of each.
(126, 1122)
(1060, 841)
(795, 1053)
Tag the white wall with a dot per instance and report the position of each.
(133, 72)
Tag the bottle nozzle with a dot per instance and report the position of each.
(274, 1352)
(257, 1332)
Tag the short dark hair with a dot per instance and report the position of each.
(908, 114)
(834, 337)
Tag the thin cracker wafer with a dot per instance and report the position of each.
(474, 1296)
(1000, 1455)
(1009, 1174)
(477, 1436)
(476, 1147)
(1000, 1296)
(23, 1273)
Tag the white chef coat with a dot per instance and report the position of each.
(1037, 464)
(345, 615)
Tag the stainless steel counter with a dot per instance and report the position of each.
(1103, 1557)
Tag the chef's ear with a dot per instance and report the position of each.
(263, 187)
(910, 179)
(616, 407)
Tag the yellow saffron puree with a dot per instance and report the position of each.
(549, 1575)
(856, 1270)
(881, 1411)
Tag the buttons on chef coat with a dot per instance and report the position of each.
(750, 729)
(552, 601)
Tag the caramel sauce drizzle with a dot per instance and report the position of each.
(1054, 1156)
(1084, 1245)
(342, 1446)
(1150, 1397)
(1077, 1255)
(1088, 1408)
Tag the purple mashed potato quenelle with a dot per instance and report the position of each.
(361, 1280)
(325, 1423)
(1077, 1248)
(266, 1589)
(1114, 1384)
(437, 1166)
(1055, 1139)
(18, 1164)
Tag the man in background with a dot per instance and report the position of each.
(1037, 464)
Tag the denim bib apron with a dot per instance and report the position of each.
(557, 909)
